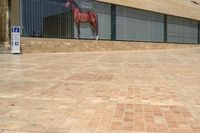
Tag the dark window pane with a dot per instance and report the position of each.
(139, 25)
(46, 18)
(182, 30)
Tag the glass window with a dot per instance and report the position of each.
(139, 25)
(182, 30)
(50, 18)
(46, 18)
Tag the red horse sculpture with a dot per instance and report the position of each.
(83, 17)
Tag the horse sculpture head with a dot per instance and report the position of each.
(70, 4)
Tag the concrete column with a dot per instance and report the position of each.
(4, 21)
(15, 13)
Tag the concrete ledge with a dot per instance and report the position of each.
(5, 44)
(48, 45)
(4, 48)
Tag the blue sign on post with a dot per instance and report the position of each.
(15, 40)
(16, 30)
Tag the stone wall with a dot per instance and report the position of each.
(44, 45)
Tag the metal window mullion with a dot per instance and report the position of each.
(113, 22)
(60, 23)
(165, 29)
(198, 32)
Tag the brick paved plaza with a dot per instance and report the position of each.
(155, 91)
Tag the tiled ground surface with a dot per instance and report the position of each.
(108, 92)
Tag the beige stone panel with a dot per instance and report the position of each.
(15, 13)
(182, 8)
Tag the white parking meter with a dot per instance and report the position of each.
(15, 40)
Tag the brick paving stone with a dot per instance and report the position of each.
(20, 132)
(153, 91)
(14, 132)
(69, 123)
(116, 126)
(139, 127)
(128, 126)
(58, 130)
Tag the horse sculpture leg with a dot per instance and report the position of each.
(97, 33)
(97, 29)
(97, 37)
(94, 29)
(78, 30)
(93, 19)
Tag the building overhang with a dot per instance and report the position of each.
(182, 8)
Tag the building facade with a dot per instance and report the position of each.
(123, 20)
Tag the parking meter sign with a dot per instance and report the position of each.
(16, 29)
(15, 40)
